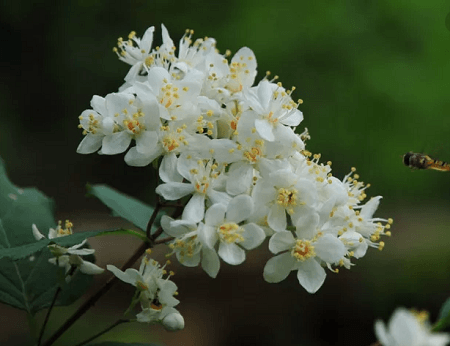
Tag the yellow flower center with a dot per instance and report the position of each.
(303, 250)
(231, 233)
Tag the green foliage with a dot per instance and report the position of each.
(26, 250)
(444, 317)
(124, 206)
(30, 282)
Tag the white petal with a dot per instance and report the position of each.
(218, 196)
(329, 248)
(189, 261)
(370, 207)
(278, 268)
(240, 178)
(405, 328)
(195, 208)
(239, 208)
(306, 225)
(90, 268)
(98, 104)
(173, 322)
(147, 40)
(208, 235)
(146, 142)
(116, 143)
(170, 229)
(37, 235)
(130, 276)
(277, 218)
(381, 333)
(311, 275)
(90, 144)
(134, 158)
(156, 75)
(210, 262)
(265, 91)
(173, 191)
(168, 169)
(253, 235)
(231, 253)
(117, 102)
(264, 129)
(215, 215)
(80, 252)
(293, 119)
(281, 241)
(246, 55)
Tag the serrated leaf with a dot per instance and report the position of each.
(30, 283)
(127, 207)
(20, 252)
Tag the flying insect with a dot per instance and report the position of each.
(423, 161)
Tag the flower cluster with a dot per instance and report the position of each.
(409, 328)
(154, 293)
(230, 147)
(68, 257)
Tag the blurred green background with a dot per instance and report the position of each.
(375, 80)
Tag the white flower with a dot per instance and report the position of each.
(306, 252)
(156, 295)
(203, 181)
(275, 109)
(225, 224)
(188, 246)
(135, 50)
(242, 70)
(285, 193)
(115, 121)
(406, 328)
(96, 124)
(176, 99)
(68, 257)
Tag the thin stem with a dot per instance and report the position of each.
(159, 231)
(41, 334)
(163, 240)
(156, 235)
(47, 317)
(92, 300)
(115, 324)
(152, 220)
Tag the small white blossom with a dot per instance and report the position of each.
(203, 179)
(304, 252)
(156, 294)
(188, 246)
(225, 224)
(411, 329)
(68, 257)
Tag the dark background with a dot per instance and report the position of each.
(375, 80)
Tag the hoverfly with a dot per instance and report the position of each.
(422, 161)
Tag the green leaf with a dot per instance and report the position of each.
(30, 283)
(122, 205)
(444, 317)
(20, 252)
